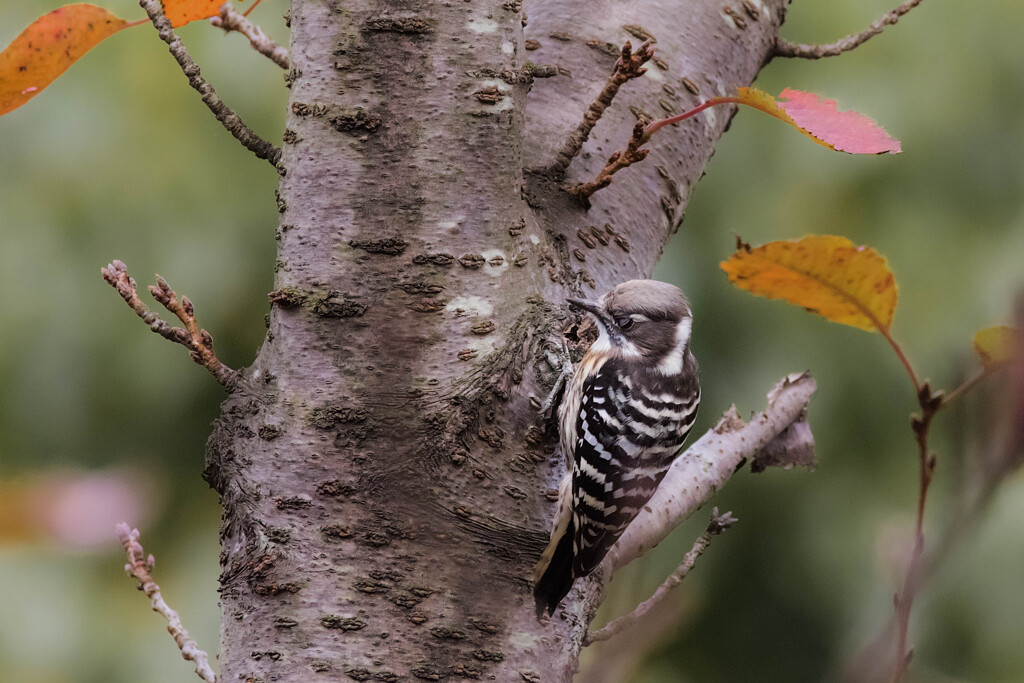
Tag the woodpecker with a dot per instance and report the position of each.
(626, 411)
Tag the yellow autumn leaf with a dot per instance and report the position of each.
(996, 345)
(826, 274)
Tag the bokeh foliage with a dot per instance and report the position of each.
(119, 159)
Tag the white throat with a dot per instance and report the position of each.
(604, 344)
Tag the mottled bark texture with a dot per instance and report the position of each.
(382, 471)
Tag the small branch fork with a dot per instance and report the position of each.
(616, 162)
(930, 401)
(786, 49)
(230, 20)
(198, 341)
(627, 67)
(642, 132)
(228, 118)
(718, 524)
(140, 567)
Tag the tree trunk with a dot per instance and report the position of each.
(382, 470)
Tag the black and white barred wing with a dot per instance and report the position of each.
(628, 433)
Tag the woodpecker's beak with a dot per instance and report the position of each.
(586, 305)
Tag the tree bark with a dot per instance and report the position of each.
(382, 470)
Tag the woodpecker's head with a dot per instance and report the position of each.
(642, 320)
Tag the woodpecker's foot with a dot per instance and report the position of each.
(561, 361)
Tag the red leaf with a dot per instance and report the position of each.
(819, 120)
(846, 131)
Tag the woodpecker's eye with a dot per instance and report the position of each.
(624, 322)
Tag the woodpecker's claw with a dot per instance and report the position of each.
(563, 363)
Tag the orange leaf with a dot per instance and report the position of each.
(181, 12)
(821, 121)
(46, 49)
(825, 274)
(996, 345)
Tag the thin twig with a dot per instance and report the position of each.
(198, 341)
(786, 49)
(627, 67)
(230, 20)
(718, 524)
(884, 331)
(903, 600)
(616, 162)
(228, 118)
(969, 383)
(634, 152)
(1007, 448)
(973, 502)
(139, 567)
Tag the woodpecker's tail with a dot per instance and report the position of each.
(553, 577)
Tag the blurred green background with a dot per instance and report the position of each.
(119, 159)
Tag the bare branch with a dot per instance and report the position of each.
(708, 464)
(903, 600)
(230, 20)
(228, 118)
(616, 162)
(786, 49)
(139, 567)
(198, 341)
(717, 525)
(642, 132)
(1003, 451)
(627, 67)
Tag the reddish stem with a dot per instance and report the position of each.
(655, 126)
(641, 137)
(884, 331)
(254, 6)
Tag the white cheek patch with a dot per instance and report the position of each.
(672, 364)
(683, 330)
